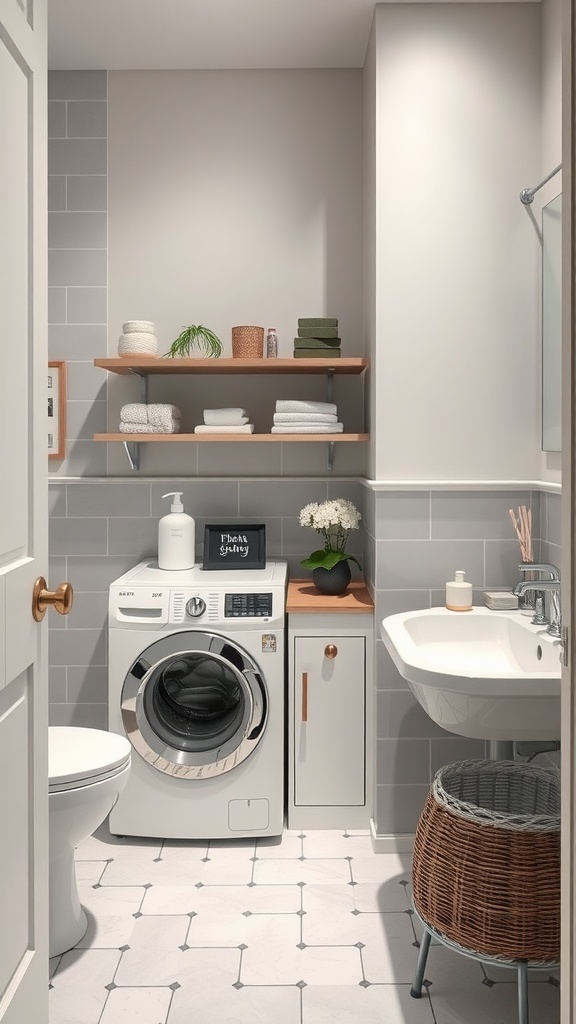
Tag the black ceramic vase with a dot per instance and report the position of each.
(332, 581)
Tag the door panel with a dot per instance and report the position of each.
(23, 515)
(329, 709)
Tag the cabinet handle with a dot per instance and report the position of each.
(304, 696)
(331, 651)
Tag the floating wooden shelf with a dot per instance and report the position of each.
(227, 438)
(146, 367)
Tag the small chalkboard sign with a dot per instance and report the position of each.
(235, 547)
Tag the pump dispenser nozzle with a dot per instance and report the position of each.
(176, 505)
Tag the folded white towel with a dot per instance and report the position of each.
(148, 428)
(310, 428)
(283, 405)
(222, 417)
(307, 417)
(247, 428)
(157, 414)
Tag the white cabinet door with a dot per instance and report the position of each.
(329, 714)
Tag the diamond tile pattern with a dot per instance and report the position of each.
(267, 930)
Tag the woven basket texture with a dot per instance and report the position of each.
(486, 863)
(247, 342)
(137, 344)
(139, 326)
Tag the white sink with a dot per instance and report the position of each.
(487, 674)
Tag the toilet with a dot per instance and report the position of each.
(88, 769)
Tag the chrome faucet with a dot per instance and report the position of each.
(551, 587)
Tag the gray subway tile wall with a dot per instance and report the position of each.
(77, 257)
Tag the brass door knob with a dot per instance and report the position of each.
(331, 651)
(61, 598)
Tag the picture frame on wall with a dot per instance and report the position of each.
(235, 546)
(56, 410)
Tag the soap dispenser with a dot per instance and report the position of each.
(459, 593)
(176, 536)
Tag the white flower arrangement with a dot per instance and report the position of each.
(334, 520)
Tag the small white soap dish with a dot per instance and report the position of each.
(500, 600)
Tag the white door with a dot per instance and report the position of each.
(23, 514)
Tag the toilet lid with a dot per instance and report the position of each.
(76, 754)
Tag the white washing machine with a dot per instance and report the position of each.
(197, 684)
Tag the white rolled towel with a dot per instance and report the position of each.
(223, 417)
(149, 428)
(204, 428)
(288, 405)
(157, 413)
(308, 428)
(306, 417)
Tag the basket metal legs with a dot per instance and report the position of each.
(416, 990)
(522, 993)
(522, 971)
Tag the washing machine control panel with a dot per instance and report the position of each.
(244, 606)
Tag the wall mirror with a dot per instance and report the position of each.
(551, 326)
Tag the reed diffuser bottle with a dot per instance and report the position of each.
(523, 528)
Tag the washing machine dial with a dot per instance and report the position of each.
(195, 607)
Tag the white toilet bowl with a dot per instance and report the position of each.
(88, 769)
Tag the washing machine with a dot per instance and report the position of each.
(197, 684)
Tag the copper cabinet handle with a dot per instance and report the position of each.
(304, 696)
(61, 598)
(331, 651)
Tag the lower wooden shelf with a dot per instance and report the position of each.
(227, 438)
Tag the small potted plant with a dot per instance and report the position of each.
(334, 520)
(195, 336)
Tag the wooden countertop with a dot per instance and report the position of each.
(303, 596)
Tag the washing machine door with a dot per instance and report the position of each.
(194, 705)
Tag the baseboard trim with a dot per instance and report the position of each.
(392, 843)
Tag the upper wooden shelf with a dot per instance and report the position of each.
(146, 367)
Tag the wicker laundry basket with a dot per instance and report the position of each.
(247, 342)
(486, 865)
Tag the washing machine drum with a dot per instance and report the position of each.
(194, 705)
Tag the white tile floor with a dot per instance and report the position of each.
(312, 929)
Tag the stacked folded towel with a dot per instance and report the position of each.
(317, 338)
(139, 418)
(293, 417)
(138, 339)
(225, 421)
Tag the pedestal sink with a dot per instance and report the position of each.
(490, 675)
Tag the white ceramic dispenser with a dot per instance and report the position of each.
(459, 593)
(176, 536)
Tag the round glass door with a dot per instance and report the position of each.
(194, 712)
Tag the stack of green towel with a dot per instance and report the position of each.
(317, 338)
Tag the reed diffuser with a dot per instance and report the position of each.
(523, 526)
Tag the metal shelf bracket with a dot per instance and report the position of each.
(132, 448)
(330, 398)
(133, 452)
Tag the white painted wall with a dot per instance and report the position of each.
(551, 13)
(235, 197)
(457, 270)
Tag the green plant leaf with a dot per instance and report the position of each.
(323, 559)
(195, 336)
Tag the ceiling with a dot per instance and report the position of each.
(154, 34)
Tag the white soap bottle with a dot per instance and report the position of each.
(459, 593)
(176, 536)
